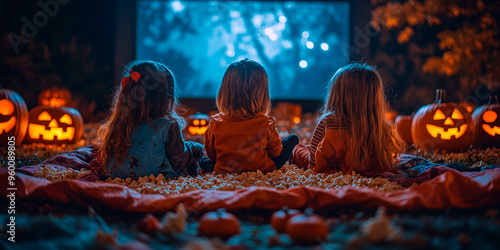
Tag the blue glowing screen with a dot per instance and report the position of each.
(301, 44)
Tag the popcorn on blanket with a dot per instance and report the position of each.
(287, 177)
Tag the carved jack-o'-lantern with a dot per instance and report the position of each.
(13, 116)
(54, 125)
(198, 124)
(55, 97)
(403, 123)
(487, 124)
(442, 125)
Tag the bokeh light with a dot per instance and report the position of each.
(310, 45)
(303, 63)
(324, 46)
(177, 6)
(282, 19)
(305, 34)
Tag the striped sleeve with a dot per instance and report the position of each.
(318, 134)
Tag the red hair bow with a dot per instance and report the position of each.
(134, 76)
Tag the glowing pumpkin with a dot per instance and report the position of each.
(219, 224)
(403, 123)
(54, 125)
(198, 124)
(442, 125)
(487, 124)
(13, 116)
(55, 97)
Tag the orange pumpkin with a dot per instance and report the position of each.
(149, 224)
(198, 124)
(55, 97)
(219, 224)
(307, 228)
(487, 124)
(279, 218)
(13, 116)
(54, 125)
(442, 126)
(403, 123)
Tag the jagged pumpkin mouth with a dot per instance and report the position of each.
(491, 130)
(435, 131)
(197, 130)
(36, 131)
(8, 125)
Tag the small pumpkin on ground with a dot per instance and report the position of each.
(219, 224)
(487, 124)
(279, 218)
(149, 224)
(307, 228)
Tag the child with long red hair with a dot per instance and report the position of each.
(353, 133)
(142, 135)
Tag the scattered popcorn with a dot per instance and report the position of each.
(287, 177)
(52, 174)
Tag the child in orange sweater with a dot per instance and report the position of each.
(353, 133)
(243, 137)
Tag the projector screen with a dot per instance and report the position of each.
(301, 44)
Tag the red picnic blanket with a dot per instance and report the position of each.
(440, 187)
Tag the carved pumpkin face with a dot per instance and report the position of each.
(442, 125)
(198, 124)
(7, 109)
(55, 97)
(447, 126)
(13, 116)
(487, 125)
(52, 125)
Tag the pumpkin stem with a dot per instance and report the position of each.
(493, 99)
(440, 96)
(220, 211)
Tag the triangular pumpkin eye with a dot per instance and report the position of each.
(439, 115)
(44, 116)
(66, 119)
(196, 122)
(203, 122)
(457, 115)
